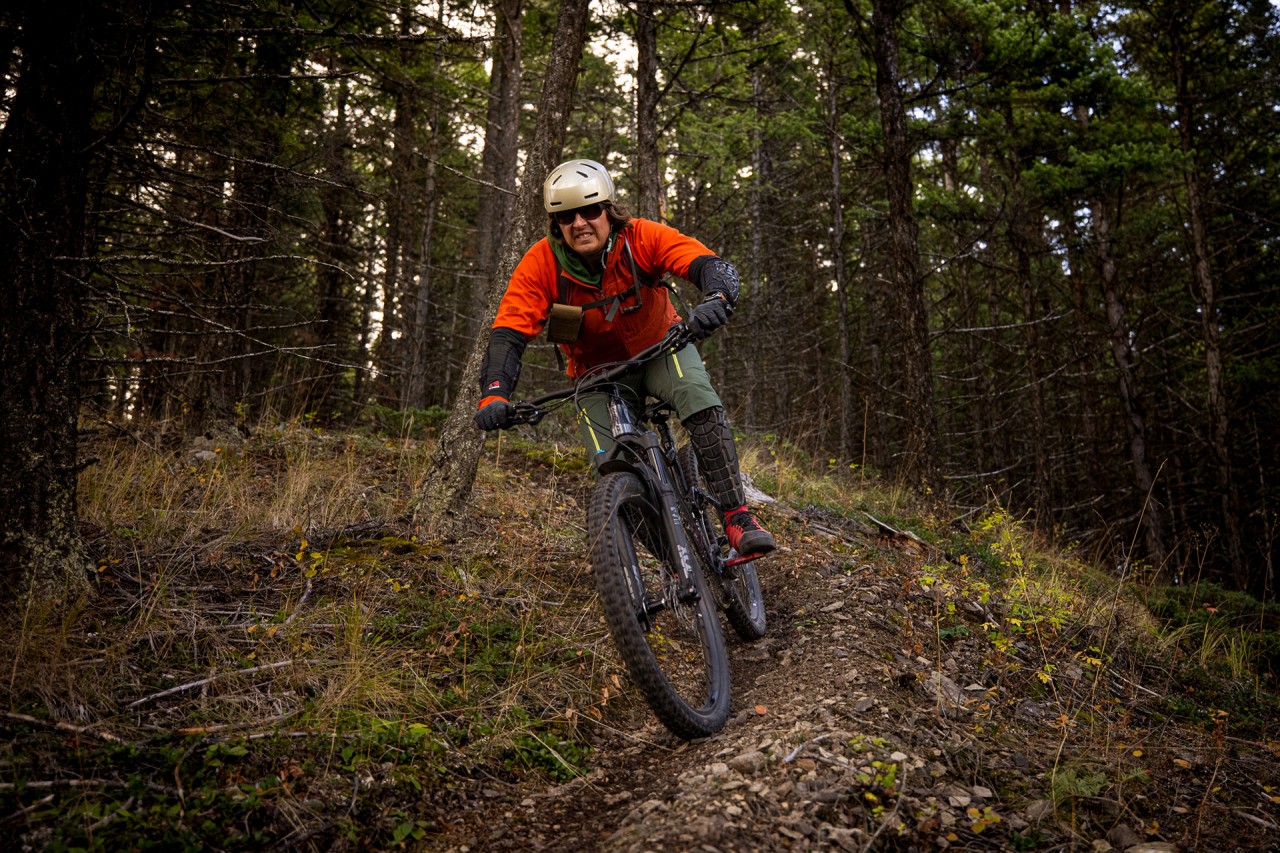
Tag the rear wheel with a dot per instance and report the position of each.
(738, 588)
(671, 642)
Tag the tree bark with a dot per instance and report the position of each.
(501, 148)
(837, 260)
(753, 280)
(45, 145)
(421, 322)
(443, 499)
(1204, 286)
(648, 180)
(335, 321)
(1027, 243)
(392, 349)
(917, 465)
(1122, 353)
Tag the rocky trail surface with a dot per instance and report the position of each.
(860, 723)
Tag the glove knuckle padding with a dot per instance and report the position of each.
(710, 315)
(717, 455)
(496, 415)
(722, 277)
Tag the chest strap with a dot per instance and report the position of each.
(564, 284)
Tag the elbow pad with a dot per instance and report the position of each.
(713, 275)
(500, 370)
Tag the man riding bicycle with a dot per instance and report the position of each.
(595, 284)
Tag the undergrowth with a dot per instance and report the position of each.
(1064, 641)
(276, 653)
(1108, 666)
(271, 636)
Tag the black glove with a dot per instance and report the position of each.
(496, 414)
(710, 315)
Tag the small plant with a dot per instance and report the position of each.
(406, 423)
(561, 759)
(1072, 783)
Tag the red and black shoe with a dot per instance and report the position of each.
(746, 536)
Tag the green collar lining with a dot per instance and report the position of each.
(574, 264)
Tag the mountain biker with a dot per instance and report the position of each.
(595, 284)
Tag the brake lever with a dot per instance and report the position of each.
(678, 335)
(526, 413)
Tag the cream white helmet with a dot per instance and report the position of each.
(576, 183)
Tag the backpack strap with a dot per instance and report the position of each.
(564, 284)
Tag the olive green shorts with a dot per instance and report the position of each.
(680, 379)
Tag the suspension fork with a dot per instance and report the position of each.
(645, 446)
(660, 480)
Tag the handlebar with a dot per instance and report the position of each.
(533, 411)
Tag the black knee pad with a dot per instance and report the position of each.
(717, 455)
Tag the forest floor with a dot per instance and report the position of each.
(277, 660)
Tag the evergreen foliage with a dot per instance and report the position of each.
(283, 203)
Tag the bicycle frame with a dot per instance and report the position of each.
(647, 452)
(649, 502)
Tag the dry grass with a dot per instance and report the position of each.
(271, 598)
(277, 580)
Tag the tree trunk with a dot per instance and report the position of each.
(419, 321)
(647, 173)
(364, 333)
(750, 390)
(1153, 521)
(392, 347)
(837, 259)
(1026, 243)
(45, 144)
(1122, 354)
(501, 147)
(335, 321)
(1204, 287)
(916, 466)
(447, 489)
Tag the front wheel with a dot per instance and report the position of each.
(671, 642)
(738, 588)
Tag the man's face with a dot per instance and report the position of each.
(585, 229)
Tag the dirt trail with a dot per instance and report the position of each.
(856, 727)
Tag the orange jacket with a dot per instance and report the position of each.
(658, 250)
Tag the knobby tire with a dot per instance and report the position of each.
(674, 651)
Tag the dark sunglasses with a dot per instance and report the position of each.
(590, 213)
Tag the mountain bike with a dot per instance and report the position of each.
(660, 562)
